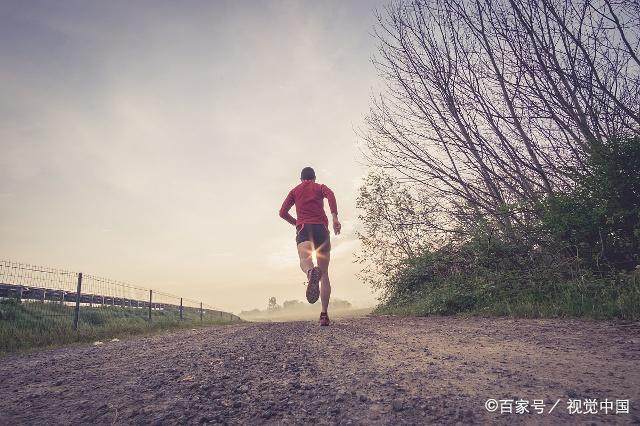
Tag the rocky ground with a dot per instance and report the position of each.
(358, 371)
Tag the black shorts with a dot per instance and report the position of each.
(317, 233)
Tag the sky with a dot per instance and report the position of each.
(153, 142)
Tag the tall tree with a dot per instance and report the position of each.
(491, 106)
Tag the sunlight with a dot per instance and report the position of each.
(314, 258)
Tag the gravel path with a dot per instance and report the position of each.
(365, 370)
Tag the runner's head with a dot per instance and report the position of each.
(307, 174)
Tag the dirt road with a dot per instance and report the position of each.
(361, 371)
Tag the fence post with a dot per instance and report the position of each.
(76, 311)
(181, 308)
(150, 299)
(200, 311)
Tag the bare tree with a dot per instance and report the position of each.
(491, 106)
(273, 305)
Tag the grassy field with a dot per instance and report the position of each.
(29, 325)
(613, 297)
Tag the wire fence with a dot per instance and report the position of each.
(32, 296)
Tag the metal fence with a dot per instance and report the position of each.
(84, 300)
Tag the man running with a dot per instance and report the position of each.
(312, 233)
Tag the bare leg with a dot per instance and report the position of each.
(304, 252)
(325, 284)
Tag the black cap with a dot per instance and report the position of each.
(307, 174)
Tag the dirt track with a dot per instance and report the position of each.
(361, 371)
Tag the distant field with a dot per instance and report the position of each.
(307, 315)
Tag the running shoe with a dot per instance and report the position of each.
(324, 319)
(313, 288)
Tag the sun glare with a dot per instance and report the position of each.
(314, 257)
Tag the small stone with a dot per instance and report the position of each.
(397, 405)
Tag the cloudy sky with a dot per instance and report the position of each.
(153, 142)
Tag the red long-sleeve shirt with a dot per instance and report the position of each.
(308, 198)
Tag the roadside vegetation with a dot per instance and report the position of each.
(505, 160)
(29, 325)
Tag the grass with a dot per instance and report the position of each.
(612, 297)
(29, 325)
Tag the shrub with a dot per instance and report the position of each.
(599, 221)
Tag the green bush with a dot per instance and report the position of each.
(580, 259)
(599, 221)
(539, 291)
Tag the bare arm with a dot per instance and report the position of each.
(337, 226)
